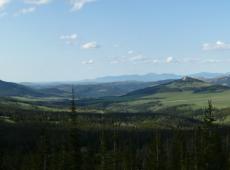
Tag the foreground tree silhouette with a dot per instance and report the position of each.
(73, 106)
(209, 114)
(211, 156)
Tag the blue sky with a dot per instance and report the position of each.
(68, 40)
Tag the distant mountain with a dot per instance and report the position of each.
(55, 92)
(92, 90)
(106, 89)
(176, 95)
(151, 77)
(206, 75)
(13, 89)
(224, 80)
(184, 84)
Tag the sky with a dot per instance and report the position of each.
(70, 40)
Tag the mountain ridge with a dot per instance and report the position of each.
(184, 84)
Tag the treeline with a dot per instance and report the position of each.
(74, 141)
(26, 146)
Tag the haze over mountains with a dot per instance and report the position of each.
(13, 89)
(109, 86)
(183, 93)
(181, 85)
(151, 77)
(122, 96)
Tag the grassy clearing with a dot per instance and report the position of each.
(221, 100)
(170, 99)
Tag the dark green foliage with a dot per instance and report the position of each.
(97, 90)
(73, 106)
(13, 89)
(185, 84)
(209, 115)
(51, 141)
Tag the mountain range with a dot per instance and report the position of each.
(151, 77)
(186, 92)
(13, 89)
(121, 96)
(112, 86)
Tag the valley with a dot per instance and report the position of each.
(182, 97)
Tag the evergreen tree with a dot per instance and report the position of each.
(209, 114)
(75, 150)
(156, 157)
(73, 106)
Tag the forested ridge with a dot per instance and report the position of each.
(74, 141)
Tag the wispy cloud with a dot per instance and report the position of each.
(130, 52)
(134, 59)
(79, 4)
(69, 39)
(3, 3)
(219, 45)
(87, 62)
(137, 58)
(24, 11)
(155, 61)
(212, 61)
(37, 2)
(90, 45)
(76, 5)
(200, 60)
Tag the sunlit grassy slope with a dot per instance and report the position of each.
(221, 99)
(192, 93)
(163, 100)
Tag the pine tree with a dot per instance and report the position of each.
(73, 106)
(212, 153)
(75, 150)
(209, 114)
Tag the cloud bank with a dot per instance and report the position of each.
(219, 45)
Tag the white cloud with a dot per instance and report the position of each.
(169, 60)
(69, 39)
(130, 52)
(25, 11)
(155, 61)
(198, 60)
(137, 58)
(212, 61)
(37, 2)
(219, 45)
(3, 3)
(76, 4)
(90, 45)
(79, 4)
(134, 59)
(88, 62)
(118, 60)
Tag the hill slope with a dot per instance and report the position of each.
(105, 89)
(186, 92)
(13, 89)
(184, 84)
(225, 80)
(151, 77)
